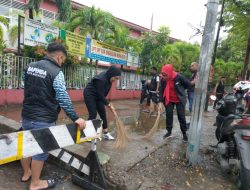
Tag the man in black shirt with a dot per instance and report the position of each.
(154, 85)
(219, 90)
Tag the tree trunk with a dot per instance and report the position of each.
(246, 61)
(31, 13)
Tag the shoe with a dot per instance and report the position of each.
(167, 135)
(185, 138)
(146, 110)
(108, 136)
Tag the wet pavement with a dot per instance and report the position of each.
(155, 164)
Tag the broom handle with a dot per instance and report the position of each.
(112, 108)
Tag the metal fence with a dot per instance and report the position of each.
(11, 68)
(76, 76)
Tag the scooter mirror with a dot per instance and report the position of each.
(213, 97)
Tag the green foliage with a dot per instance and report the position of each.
(120, 38)
(152, 49)
(2, 47)
(38, 52)
(188, 53)
(59, 24)
(64, 9)
(236, 19)
(93, 22)
(34, 5)
(13, 35)
(228, 69)
(157, 51)
(228, 51)
(237, 22)
(102, 26)
(4, 22)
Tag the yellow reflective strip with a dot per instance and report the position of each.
(78, 135)
(7, 160)
(20, 145)
(86, 139)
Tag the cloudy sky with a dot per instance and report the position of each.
(178, 15)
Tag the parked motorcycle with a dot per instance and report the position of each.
(233, 133)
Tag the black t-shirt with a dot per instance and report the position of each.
(154, 81)
(220, 88)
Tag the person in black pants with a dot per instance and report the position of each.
(95, 96)
(219, 90)
(172, 93)
(154, 86)
(143, 91)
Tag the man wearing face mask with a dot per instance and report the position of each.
(44, 95)
(95, 96)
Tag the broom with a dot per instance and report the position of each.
(154, 128)
(122, 136)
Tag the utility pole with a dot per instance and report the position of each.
(201, 84)
(151, 23)
(215, 50)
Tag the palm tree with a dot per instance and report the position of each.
(64, 8)
(94, 22)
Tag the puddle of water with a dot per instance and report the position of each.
(129, 111)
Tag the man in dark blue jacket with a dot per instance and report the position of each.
(44, 95)
(95, 96)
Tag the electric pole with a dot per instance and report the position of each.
(207, 46)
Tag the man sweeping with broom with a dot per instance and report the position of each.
(95, 96)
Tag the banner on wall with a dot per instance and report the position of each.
(37, 33)
(76, 43)
(104, 52)
(133, 59)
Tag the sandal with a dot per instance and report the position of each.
(23, 181)
(51, 184)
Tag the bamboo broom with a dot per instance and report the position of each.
(154, 128)
(122, 136)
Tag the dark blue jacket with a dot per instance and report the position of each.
(40, 102)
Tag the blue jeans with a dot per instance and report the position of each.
(29, 125)
(190, 100)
